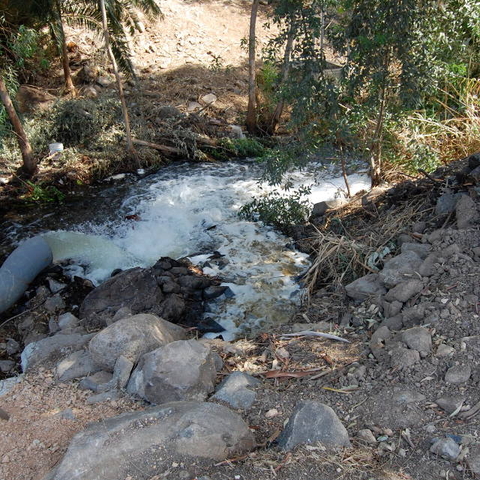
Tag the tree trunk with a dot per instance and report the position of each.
(251, 111)
(272, 125)
(69, 86)
(29, 162)
(126, 118)
(376, 147)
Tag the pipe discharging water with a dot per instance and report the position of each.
(192, 211)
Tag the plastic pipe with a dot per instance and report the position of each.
(20, 269)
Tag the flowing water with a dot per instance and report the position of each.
(192, 210)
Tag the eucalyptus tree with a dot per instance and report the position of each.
(392, 59)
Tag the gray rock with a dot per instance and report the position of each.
(446, 447)
(404, 291)
(421, 249)
(405, 396)
(473, 460)
(122, 313)
(148, 442)
(365, 287)
(313, 422)
(446, 203)
(54, 304)
(67, 414)
(449, 404)
(378, 342)
(419, 227)
(393, 323)
(12, 346)
(7, 384)
(95, 381)
(68, 320)
(392, 309)
(50, 348)
(475, 175)
(183, 370)
(236, 391)
(78, 364)
(55, 286)
(192, 106)
(417, 338)
(466, 212)
(444, 350)
(400, 268)
(132, 337)
(427, 268)
(6, 366)
(458, 374)
(404, 357)
(367, 436)
(217, 360)
(136, 289)
(321, 207)
(103, 397)
(53, 326)
(208, 99)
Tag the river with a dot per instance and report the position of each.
(192, 210)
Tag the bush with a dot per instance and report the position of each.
(279, 210)
(76, 121)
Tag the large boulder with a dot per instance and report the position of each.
(136, 289)
(151, 440)
(313, 422)
(131, 338)
(183, 370)
(174, 290)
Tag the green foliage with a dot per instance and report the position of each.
(77, 121)
(244, 147)
(279, 210)
(43, 194)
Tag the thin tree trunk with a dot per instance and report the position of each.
(376, 148)
(126, 118)
(251, 111)
(69, 86)
(29, 163)
(284, 77)
(344, 172)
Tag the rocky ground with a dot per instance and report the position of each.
(403, 390)
(399, 401)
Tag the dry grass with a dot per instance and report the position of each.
(366, 230)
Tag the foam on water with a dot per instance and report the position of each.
(193, 211)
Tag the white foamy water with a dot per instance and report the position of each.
(192, 210)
